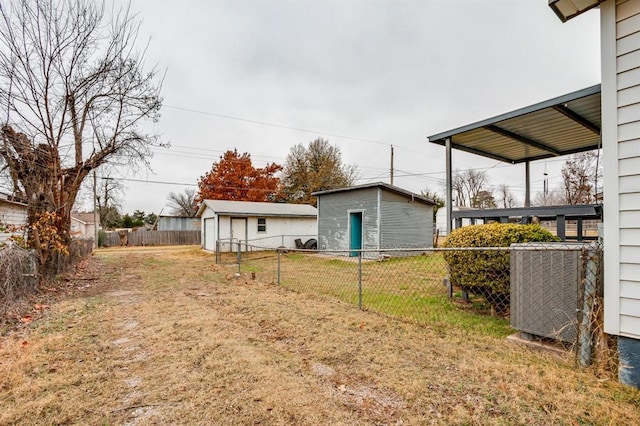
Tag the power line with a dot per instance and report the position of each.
(280, 126)
(148, 181)
(230, 188)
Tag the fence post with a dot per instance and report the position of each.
(239, 254)
(586, 325)
(279, 253)
(360, 280)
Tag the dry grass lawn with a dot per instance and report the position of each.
(164, 336)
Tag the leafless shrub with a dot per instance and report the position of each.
(17, 275)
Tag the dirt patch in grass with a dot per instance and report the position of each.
(167, 337)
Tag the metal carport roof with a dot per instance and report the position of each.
(560, 126)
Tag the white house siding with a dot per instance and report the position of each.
(281, 231)
(11, 214)
(80, 229)
(621, 146)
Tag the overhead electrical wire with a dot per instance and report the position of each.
(280, 126)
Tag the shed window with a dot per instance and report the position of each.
(262, 224)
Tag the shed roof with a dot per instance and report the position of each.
(382, 185)
(560, 126)
(250, 208)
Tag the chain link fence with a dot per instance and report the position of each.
(548, 291)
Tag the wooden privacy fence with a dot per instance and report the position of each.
(151, 238)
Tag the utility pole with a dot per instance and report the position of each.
(391, 172)
(95, 210)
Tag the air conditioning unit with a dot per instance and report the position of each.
(545, 287)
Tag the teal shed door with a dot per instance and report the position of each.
(355, 233)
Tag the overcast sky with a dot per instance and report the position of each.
(389, 72)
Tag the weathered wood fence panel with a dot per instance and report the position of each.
(152, 238)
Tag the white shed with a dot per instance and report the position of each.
(255, 225)
(12, 212)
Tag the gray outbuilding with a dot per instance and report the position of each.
(373, 216)
(178, 223)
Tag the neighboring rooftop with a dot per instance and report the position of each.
(83, 217)
(250, 208)
(11, 199)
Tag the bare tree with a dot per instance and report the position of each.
(436, 198)
(467, 186)
(579, 178)
(184, 203)
(109, 194)
(507, 199)
(73, 94)
(552, 198)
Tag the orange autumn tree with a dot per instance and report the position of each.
(235, 178)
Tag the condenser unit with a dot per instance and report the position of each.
(545, 283)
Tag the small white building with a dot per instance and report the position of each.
(12, 213)
(83, 225)
(255, 226)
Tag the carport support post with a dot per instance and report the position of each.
(449, 200)
(527, 184)
(360, 280)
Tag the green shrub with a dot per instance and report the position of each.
(101, 237)
(486, 273)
